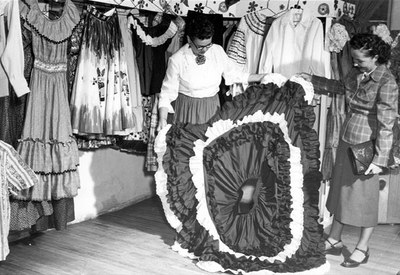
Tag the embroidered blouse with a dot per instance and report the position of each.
(246, 45)
(185, 76)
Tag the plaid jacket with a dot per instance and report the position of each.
(371, 108)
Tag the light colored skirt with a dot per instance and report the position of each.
(353, 199)
(195, 110)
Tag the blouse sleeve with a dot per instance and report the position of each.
(270, 47)
(232, 72)
(13, 55)
(19, 175)
(237, 48)
(170, 86)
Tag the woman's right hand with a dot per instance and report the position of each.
(162, 118)
(162, 122)
(305, 76)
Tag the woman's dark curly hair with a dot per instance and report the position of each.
(200, 27)
(373, 44)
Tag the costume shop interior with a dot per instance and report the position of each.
(79, 94)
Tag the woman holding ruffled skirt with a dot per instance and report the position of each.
(262, 141)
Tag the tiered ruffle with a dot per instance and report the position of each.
(56, 165)
(52, 157)
(263, 134)
(147, 38)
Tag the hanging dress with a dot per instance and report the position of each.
(101, 105)
(47, 144)
(264, 139)
(150, 42)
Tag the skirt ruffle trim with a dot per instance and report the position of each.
(175, 186)
(52, 157)
(52, 187)
(296, 184)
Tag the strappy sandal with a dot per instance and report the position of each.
(333, 249)
(352, 263)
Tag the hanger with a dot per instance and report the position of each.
(297, 12)
(297, 6)
(52, 8)
(52, 1)
(275, 15)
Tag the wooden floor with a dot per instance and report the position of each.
(136, 240)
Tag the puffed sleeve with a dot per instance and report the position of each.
(170, 85)
(12, 57)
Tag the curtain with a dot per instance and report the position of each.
(365, 9)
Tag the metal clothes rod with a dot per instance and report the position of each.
(116, 3)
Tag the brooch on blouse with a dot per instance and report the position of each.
(200, 59)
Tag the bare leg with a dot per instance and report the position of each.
(366, 233)
(335, 234)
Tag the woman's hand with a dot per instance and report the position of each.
(373, 169)
(161, 124)
(305, 76)
(162, 118)
(256, 77)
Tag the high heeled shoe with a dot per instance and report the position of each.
(352, 263)
(334, 249)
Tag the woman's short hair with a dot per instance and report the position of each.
(373, 45)
(200, 27)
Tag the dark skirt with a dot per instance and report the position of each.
(353, 199)
(195, 110)
(204, 169)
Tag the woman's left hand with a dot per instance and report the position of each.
(305, 76)
(373, 169)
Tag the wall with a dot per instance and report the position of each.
(394, 18)
(110, 180)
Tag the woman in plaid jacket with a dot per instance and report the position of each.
(371, 112)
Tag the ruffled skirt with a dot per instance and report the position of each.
(242, 190)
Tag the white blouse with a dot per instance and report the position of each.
(11, 50)
(185, 76)
(291, 49)
(247, 42)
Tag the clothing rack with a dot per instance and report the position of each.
(238, 10)
(104, 4)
